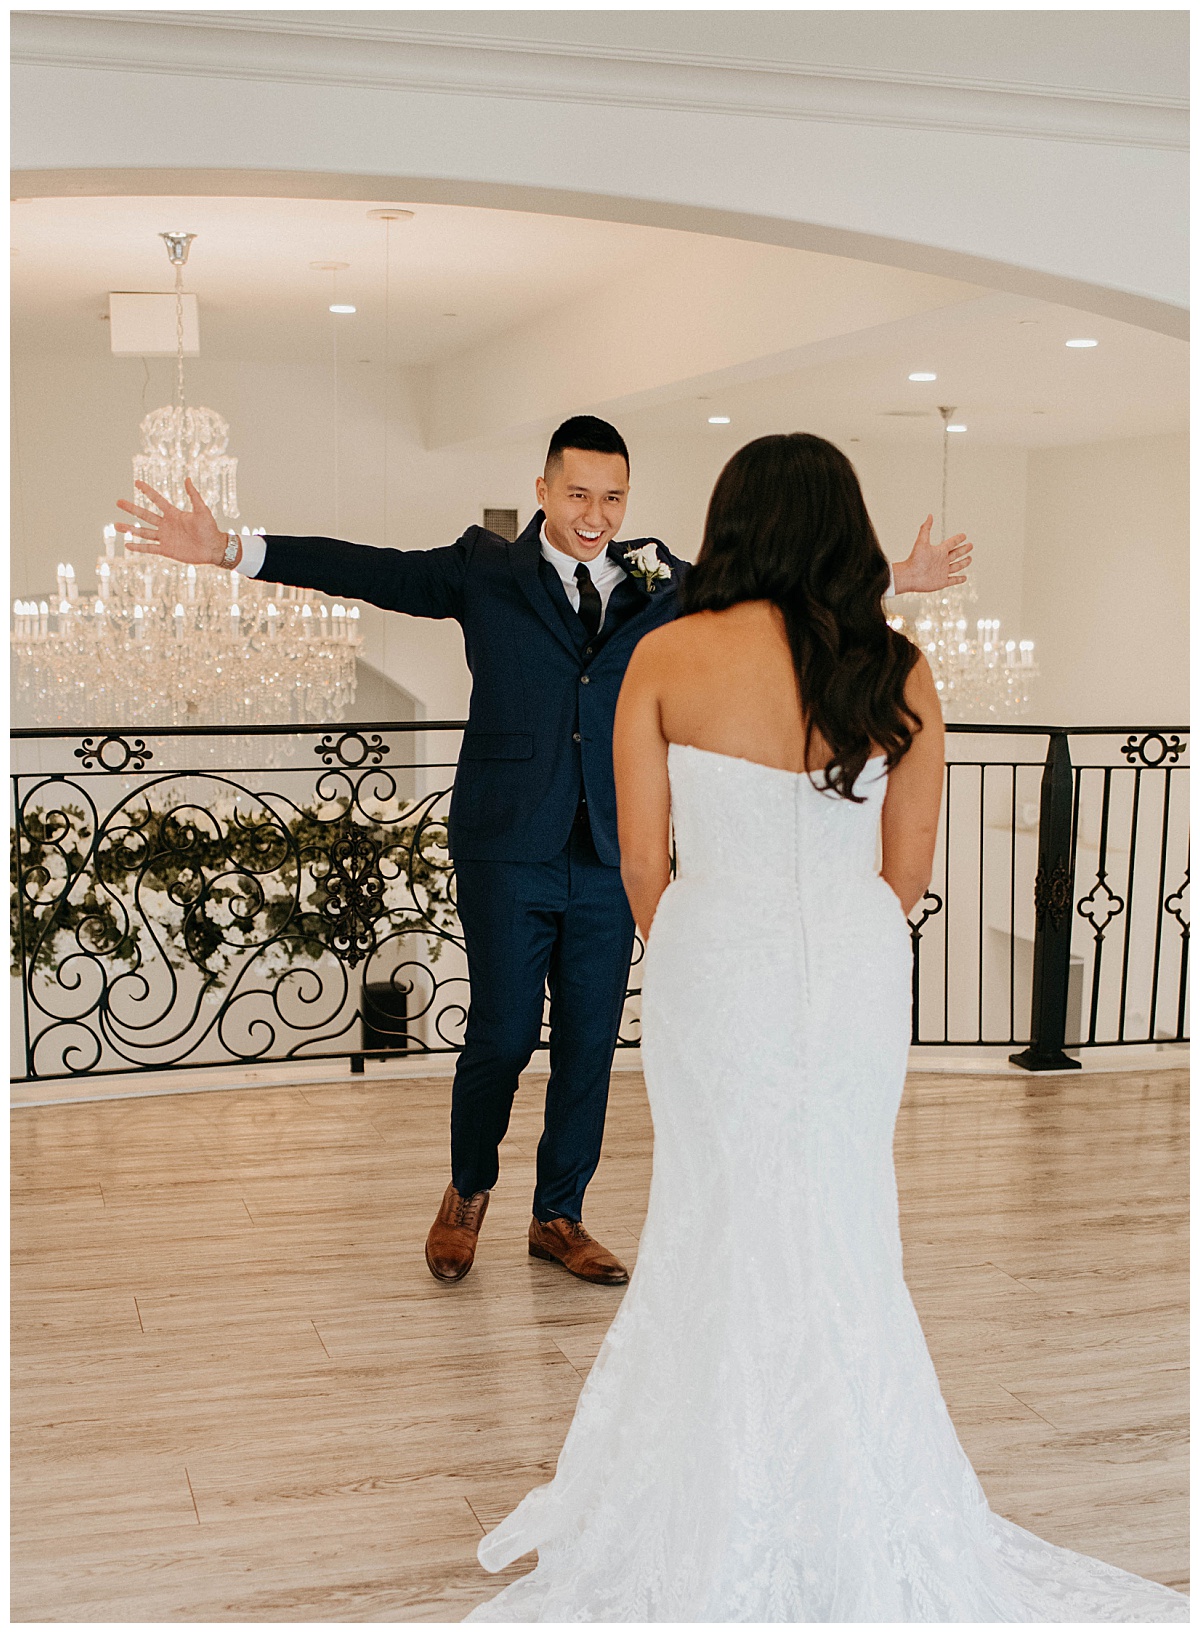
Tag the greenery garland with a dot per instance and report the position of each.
(198, 882)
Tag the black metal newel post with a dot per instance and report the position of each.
(1053, 899)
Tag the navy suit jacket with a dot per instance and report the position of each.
(543, 696)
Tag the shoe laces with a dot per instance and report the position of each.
(467, 1207)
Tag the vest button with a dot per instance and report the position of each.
(583, 680)
(576, 737)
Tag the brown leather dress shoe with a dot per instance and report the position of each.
(567, 1243)
(450, 1245)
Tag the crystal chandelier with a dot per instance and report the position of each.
(979, 674)
(161, 644)
(167, 645)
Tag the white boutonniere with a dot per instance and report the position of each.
(642, 562)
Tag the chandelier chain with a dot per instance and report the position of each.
(945, 470)
(179, 398)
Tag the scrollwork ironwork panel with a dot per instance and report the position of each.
(170, 910)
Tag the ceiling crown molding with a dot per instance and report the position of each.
(325, 48)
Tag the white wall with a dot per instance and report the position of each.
(1106, 581)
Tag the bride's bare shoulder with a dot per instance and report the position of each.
(664, 644)
(688, 629)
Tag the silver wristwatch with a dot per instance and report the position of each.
(232, 545)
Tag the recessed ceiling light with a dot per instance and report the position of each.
(341, 309)
(718, 419)
(1082, 345)
(956, 428)
(922, 376)
(328, 266)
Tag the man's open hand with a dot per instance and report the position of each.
(183, 535)
(931, 567)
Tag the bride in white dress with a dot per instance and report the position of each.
(762, 1437)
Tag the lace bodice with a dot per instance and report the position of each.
(749, 823)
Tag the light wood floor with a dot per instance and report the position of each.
(239, 1395)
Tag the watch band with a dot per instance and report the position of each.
(232, 545)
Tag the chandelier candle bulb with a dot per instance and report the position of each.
(43, 620)
(72, 587)
(110, 541)
(191, 583)
(233, 584)
(272, 621)
(139, 624)
(60, 572)
(305, 623)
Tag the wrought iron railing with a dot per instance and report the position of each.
(208, 896)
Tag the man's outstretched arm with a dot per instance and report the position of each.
(931, 567)
(424, 583)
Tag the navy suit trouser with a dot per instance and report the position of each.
(564, 923)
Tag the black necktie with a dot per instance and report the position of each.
(589, 601)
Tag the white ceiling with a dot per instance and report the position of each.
(1001, 360)
(458, 276)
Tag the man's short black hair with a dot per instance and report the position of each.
(587, 432)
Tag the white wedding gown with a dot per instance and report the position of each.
(762, 1437)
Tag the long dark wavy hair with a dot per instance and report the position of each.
(787, 523)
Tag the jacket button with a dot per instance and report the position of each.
(576, 737)
(583, 680)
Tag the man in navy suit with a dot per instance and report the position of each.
(549, 622)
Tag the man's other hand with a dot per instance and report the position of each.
(931, 567)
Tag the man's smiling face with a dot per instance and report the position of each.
(584, 495)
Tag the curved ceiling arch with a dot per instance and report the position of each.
(1162, 317)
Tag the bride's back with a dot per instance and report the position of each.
(729, 686)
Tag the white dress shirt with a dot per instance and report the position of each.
(254, 553)
(606, 573)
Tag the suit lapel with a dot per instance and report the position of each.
(553, 586)
(524, 554)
